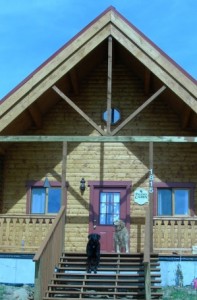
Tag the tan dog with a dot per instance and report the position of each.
(121, 237)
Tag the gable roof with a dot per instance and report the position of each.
(132, 45)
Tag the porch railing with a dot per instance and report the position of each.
(23, 233)
(47, 257)
(174, 234)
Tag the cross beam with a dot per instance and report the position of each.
(99, 139)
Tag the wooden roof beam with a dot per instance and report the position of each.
(99, 139)
(77, 109)
(109, 85)
(138, 110)
(162, 68)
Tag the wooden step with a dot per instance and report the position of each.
(119, 276)
(101, 280)
(99, 294)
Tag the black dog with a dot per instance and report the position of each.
(93, 252)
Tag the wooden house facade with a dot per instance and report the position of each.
(104, 129)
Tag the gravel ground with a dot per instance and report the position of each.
(11, 292)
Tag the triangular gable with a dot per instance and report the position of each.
(109, 23)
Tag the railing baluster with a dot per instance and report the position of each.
(175, 234)
(18, 232)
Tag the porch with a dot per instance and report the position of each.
(24, 233)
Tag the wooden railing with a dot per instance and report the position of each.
(174, 234)
(47, 257)
(23, 233)
(147, 247)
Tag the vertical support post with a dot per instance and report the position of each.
(147, 276)
(109, 85)
(151, 194)
(64, 188)
(64, 162)
(37, 282)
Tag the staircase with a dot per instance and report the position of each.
(119, 276)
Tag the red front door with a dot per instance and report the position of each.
(109, 201)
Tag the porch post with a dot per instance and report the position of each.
(64, 161)
(151, 194)
(37, 281)
(63, 189)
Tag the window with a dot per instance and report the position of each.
(173, 199)
(44, 199)
(115, 116)
(109, 208)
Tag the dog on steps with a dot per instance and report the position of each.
(121, 237)
(93, 252)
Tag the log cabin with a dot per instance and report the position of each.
(105, 129)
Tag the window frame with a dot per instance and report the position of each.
(174, 185)
(32, 184)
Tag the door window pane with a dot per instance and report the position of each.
(109, 207)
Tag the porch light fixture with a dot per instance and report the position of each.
(46, 183)
(82, 184)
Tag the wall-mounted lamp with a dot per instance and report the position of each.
(82, 184)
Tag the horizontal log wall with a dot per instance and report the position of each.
(98, 161)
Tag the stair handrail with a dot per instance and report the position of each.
(47, 256)
(147, 246)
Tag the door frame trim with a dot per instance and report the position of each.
(111, 184)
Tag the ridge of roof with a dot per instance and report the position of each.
(112, 9)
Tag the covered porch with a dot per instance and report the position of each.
(167, 234)
(24, 234)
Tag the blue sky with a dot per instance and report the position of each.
(32, 30)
